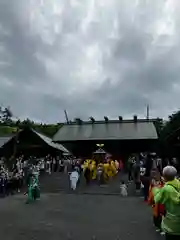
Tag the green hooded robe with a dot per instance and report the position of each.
(169, 196)
(33, 183)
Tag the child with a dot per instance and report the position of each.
(123, 189)
(158, 209)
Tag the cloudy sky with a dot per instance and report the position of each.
(105, 57)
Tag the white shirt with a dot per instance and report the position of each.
(75, 175)
(123, 189)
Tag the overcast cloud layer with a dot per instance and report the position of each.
(105, 57)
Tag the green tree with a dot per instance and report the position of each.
(8, 126)
(5, 115)
(27, 123)
(48, 130)
(171, 126)
(159, 124)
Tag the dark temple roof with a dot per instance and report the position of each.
(50, 143)
(47, 140)
(111, 130)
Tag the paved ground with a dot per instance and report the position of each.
(70, 216)
(59, 182)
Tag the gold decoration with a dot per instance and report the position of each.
(100, 145)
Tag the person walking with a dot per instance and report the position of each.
(74, 177)
(157, 209)
(131, 162)
(145, 180)
(169, 196)
(33, 189)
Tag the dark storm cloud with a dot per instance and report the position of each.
(89, 57)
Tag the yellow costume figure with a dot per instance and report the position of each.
(113, 168)
(94, 162)
(93, 169)
(105, 172)
(85, 164)
(110, 171)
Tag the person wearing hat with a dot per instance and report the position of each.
(169, 196)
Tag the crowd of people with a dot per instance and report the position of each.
(156, 178)
(164, 197)
(94, 170)
(11, 180)
(160, 185)
(23, 175)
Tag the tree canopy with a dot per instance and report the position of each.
(171, 125)
(9, 126)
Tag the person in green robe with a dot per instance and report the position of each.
(33, 189)
(169, 196)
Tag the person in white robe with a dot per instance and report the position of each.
(74, 177)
